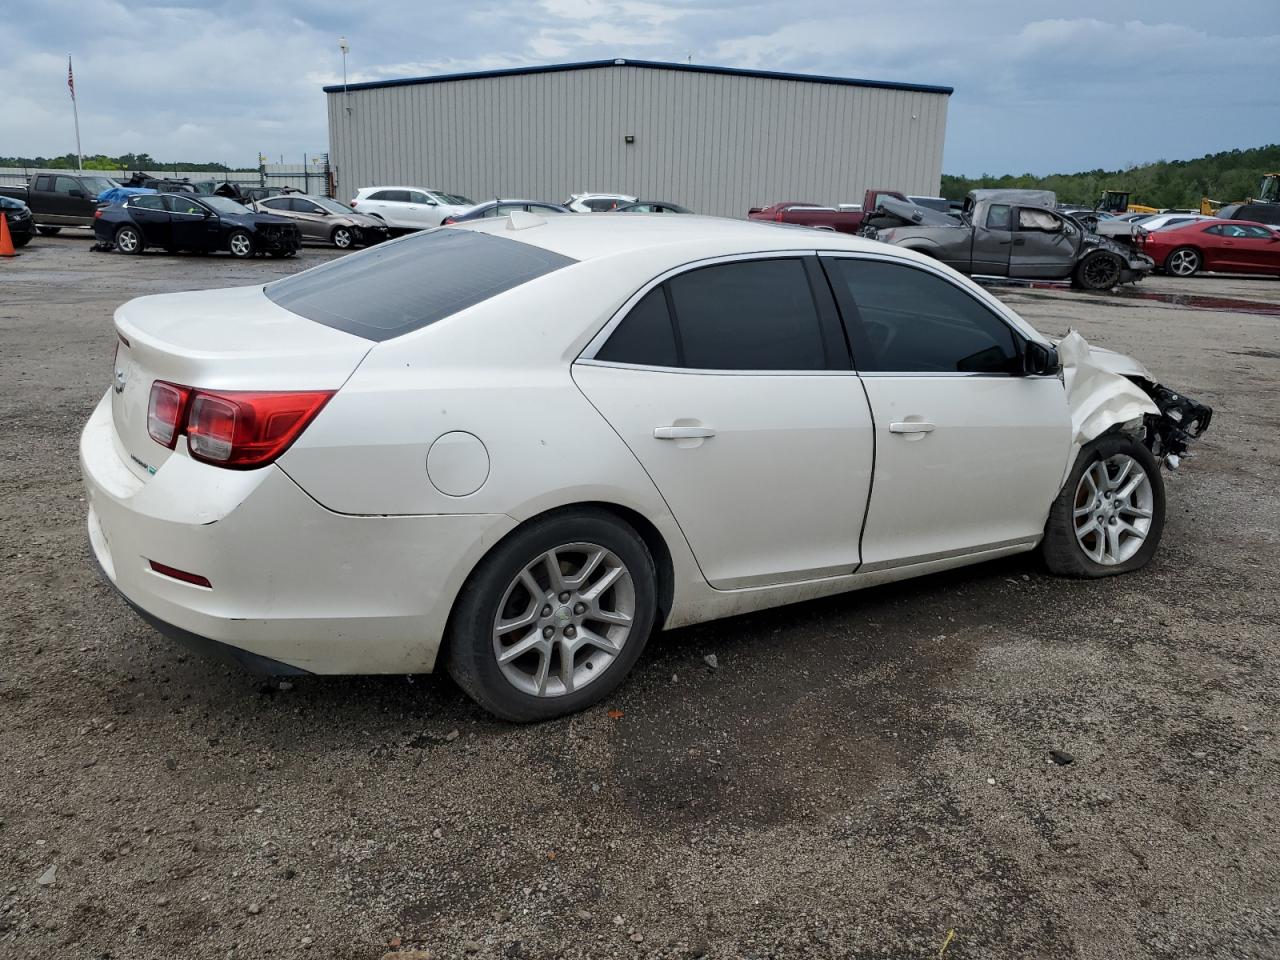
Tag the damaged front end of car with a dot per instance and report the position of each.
(1107, 391)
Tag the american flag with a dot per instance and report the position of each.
(71, 78)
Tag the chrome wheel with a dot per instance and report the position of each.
(127, 240)
(1183, 263)
(564, 619)
(342, 238)
(1114, 504)
(240, 245)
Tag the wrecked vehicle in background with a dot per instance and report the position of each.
(1009, 233)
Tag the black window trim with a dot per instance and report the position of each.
(852, 320)
(834, 338)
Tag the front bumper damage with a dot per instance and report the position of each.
(1181, 420)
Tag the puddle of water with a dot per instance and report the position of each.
(1113, 298)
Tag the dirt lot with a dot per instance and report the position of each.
(867, 776)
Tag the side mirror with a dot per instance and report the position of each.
(1039, 360)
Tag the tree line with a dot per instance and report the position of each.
(1227, 176)
(126, 161)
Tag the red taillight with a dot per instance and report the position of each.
(240, 429)
(97, 213)
(165, 410)
(446, 221)
(168, 571)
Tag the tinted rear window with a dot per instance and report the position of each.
(394, 288)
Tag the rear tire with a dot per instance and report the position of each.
(1109, 516)
(577, 593)
(1183, 262)
(240, 245)
(1098, 271)
(129, 240)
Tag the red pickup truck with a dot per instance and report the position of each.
(820, 217)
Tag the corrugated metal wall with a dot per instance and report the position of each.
(716, 143)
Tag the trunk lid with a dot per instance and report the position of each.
(234, 339)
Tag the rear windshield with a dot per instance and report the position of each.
(395, 288)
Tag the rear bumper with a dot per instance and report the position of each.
(294, 587)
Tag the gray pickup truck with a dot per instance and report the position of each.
(60, 200)
(1010, 233)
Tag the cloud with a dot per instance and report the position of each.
(226, 79)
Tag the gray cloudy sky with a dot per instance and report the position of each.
(1040, 86)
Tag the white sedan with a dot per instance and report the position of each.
(516, 447)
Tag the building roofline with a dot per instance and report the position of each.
(646, 64)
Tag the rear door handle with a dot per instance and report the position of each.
(911, 426)
(682, 433)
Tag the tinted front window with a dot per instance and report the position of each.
(66, 185)
(751, 315)
(184, 205)
(276, 203)
(645, 335)
(912, 321)
(397, 287)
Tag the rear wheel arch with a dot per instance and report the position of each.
(642, 525)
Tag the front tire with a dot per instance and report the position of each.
(129, 240)
(1183, 262)
(342, 238)
(1109, 516)
(1098, 271)
(240, 245)
(554, 618)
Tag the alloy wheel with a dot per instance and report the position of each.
(1102, 272)
(1114, 505)
(127, 240)
(564, 619)
(241, 245)
(342, 238)
(1183, 263)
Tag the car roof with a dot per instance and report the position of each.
(391, 186)
(589, 238)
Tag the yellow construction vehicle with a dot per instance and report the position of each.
(1268, 194)
(1117, 201)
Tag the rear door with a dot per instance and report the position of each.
(970, 453)
(730, 383)
(150, 215)
(993, 241)
(1041, 245)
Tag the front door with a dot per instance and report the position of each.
(970, 453)
(992, 240)
(193, 226)
(311, 220)
(730, 384)
(1041, 245)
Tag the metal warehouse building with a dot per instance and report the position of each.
(714, 139)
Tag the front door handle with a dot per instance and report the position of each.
(911, 426)
(683, 433)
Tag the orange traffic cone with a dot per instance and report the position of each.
(6, 241)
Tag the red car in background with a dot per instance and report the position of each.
(1228, 246)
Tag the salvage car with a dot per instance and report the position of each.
(502, 208)
(480, 447)
(1010, 233)
(597, 202)
(652, 206)
(187, 221)
(325, 220)
(847, 218)
(409, 208)
(1227, 246)
(18, 216)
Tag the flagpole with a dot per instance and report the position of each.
(75, 112)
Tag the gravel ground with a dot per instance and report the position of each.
(865, 776)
